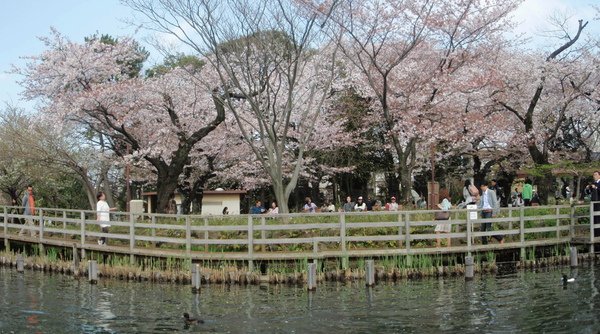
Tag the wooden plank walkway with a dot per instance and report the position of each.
(300, 236)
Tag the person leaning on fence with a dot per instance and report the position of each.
(103, 215)
(488, 203)
(29, 210)
(444, 214)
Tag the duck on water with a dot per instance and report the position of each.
(191, 321)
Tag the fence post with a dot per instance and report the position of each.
(75, 260)
(250, 243)
(407, 231)
(92, 271)
(343, 231)
(557, 223)
(263, 234)
(592, 227)
(370, 272)
(64, 224)
(41, 231)
(206, 234)
(469, 233)
(469, 271)
(131, 237)
(153, 229)
(188, 236)
(5, 223)
(572, 226)
(399, 230)
(196, 278)
(82, 223)
(522, 231)
(20, 263)
(510, 214)
(573, 256)
(312, 277)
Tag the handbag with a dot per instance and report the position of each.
(442, 215)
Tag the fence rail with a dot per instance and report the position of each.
(298, 236)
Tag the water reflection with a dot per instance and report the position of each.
(522, 302)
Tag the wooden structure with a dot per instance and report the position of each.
(213, 201)
(300, 236)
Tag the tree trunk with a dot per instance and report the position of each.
(165, 186)
(282, 200)
(545, 186)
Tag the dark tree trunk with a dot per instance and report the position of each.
(545, 187)
(165, 187)
(393, 185)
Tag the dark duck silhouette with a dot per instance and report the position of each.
(191, 321)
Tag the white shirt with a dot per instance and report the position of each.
(393, 206)
(103, 212)
(486, 201)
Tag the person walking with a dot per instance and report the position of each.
(527, 192)
(445, 205)
(103, 215)
(488, 203)
(29, 211)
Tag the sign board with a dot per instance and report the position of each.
(472, 209)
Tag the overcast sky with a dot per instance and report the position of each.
(23, 21)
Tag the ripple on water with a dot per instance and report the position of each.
(517, 303)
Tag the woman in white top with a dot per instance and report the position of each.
(445, 205)
(103, 215)
(360, 205)
(467, 196)
(274, 209)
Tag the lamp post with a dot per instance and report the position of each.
(433, 188)
(127, 180)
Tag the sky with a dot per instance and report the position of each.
(23, 21)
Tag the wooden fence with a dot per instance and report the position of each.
(299, 236)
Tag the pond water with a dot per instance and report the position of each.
(523, 302)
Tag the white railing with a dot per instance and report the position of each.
(297, 236)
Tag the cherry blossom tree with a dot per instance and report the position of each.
(553, 99)
(272, 76)
(158, 119)
(416, 60)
